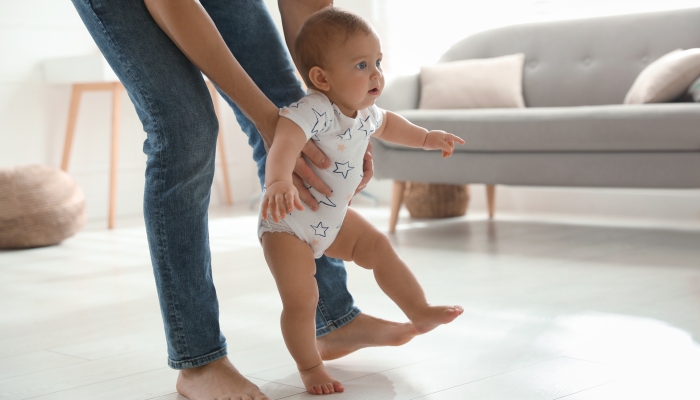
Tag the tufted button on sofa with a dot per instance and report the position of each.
(574, 131)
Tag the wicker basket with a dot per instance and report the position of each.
(39, 206)
(432, 200)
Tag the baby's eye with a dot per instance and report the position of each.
(362, 65)
(379, 63)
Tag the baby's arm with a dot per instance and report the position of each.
(281, 196)
(397, 129)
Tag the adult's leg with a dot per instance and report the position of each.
(254, 40)
(175, 108)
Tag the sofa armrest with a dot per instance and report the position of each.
(400, 93)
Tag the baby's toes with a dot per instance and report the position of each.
(338, 387)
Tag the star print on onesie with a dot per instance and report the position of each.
(344, 141)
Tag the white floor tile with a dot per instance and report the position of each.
(552, 308)
(548, 380)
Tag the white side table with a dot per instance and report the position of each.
(92, 73)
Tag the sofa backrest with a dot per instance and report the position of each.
(587, 61)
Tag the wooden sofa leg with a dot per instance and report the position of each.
(396, 201)
(491, 199)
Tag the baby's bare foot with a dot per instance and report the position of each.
(429, 318)
(217, 380)
(364, 331)
(318, 381)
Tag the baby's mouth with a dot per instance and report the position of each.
(374, 91)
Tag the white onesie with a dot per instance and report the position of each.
(344, 141)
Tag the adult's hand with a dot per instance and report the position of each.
(367, 169)
(304, 173)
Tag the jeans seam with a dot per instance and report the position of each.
(323, 311)
(198, 361)
(338, 323)
(162, 246)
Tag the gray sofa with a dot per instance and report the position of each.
(575, 130)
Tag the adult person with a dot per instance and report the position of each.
(159, 49)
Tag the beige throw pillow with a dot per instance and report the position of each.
(665, 79)
(478, 83)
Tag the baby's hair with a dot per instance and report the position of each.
(326, 28)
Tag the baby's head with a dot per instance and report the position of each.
(339, 54)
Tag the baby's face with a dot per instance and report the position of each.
(354, 73)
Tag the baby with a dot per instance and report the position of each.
(339, 57)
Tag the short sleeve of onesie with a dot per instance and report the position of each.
(313, 114)
(376, 115)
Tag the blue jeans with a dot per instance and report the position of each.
(177, 113)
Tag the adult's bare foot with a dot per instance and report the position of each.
(364, 331)
(217, 380)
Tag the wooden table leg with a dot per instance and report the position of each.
(220, 142)
(114, 165)
(396, 201)
(491, 199)
(76, 94)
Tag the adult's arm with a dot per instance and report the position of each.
(294, 13)
(189, 26)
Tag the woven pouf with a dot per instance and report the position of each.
(39, 206)
(432, 200)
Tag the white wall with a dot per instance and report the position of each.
(33, 117)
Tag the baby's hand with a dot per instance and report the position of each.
(441, 140)
(280, 199)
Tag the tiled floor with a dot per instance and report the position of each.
(555, 308)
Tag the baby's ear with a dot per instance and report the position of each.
(317, 76)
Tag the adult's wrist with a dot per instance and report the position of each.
(266, 123)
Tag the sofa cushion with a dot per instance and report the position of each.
(588, 61)
(650, 127)
(483, 83)
(665, 79)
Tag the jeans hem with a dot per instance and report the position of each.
(199, 361)
(338, 323)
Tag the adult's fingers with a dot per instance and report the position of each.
(367, 172)
(307, 175)
(313, 153)
(304, 193)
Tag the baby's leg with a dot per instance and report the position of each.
(362, 243)
(292, 264)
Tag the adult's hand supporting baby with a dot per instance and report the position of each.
(367, 169)
(304, 173)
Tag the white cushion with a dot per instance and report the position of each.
(477, 83)
(665, 79)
